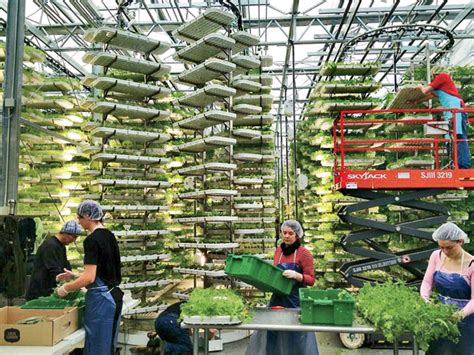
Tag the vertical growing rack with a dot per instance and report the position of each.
(128, 162)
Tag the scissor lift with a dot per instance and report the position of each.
(401, 187)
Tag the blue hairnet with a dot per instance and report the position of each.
(72, 228)
(449, 231)
(294, 225)
(90, 209)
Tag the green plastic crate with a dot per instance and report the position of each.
(330, 307)
(259, 273)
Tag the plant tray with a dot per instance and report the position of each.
(206, 119)
(126, 39)
(204, 48)
(133, 258)
(131, 159)
(207, 193)
(206, 168)
(246, 85)
(248, 181)
(346, 89)
(404, 94)
(263, 79)
(245, 63)
(217, 320)
(249, 231)
(206, 96)
(58, 85)
(349, 69)
(134, 208)
(128, 87)
(208, 245)
(141, 233)
(246, 133)
(257, 120)
(331, 307)
(56, 104)
(253, 157)
(131, 183)
(137, 112)
(245, 109)
(206, 23)
(209, 219)
(126, 134)
(206, 144)
(189, 271)
(264, 101)
(249, 206)
(209, 70)
(243, 40)
(259, 273)
(153, 69)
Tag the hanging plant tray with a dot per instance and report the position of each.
(141, 233)
(254, 157)
(131, 159)
(126, 39)
(126, 134)
(252, 231)
(197, 195)
(206, 168)
(58, 85)
(54, 104)
(249, 206)
(128, 87)
(404, 94)
(208, 245)
(189, 271)
(248, 181)
(208, 219)
(132, 258)
(245, 109)
(122, 110)
(204, 48)
(257, 120)
(206, 144)
(206, 23)
(141, 284)
(206, 96)
(264, 101)
(345, 88)
(333, 69)
(246, 85)
(245, 63)
(209, 70)
(133, 208)
(206, 119)
(243, 40)
(131, 183)
(109, 60)
(263, 79)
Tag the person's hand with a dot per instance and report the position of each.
(457, 316)
(66, 276)
(291, 274)
(61, 292)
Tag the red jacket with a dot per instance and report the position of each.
(303, 258)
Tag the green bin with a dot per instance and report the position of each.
(329, 307)
(259, 273)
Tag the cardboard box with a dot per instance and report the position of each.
(59, 324)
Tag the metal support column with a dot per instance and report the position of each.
(12, 104)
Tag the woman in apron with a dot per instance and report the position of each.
(101, 277)
(297, 263)
(450, 272)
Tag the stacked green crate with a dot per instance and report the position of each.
(129, 165)
(350, 90)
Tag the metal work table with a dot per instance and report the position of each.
(281, 320)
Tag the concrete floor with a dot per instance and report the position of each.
(328, 344)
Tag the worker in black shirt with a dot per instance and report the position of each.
(51, 260)
(101, 277)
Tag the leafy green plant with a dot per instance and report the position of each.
(394, 309)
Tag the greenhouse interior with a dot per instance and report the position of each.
(236, 177)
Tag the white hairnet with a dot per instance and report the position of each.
(90, 209)
(294, 225)
(449, 231)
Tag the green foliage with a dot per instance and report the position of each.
(395, 309)
(211, 302)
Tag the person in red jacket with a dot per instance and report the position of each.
(443, 88)
(298, 264)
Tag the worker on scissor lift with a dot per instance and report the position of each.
(442, 86)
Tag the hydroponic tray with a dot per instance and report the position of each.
(189, 271)
(206, 96)
(255, 120)
(210, 219)
(245, 85)
(150, 309)
(141, 233)
(205, 168)
(332, 69)
(254, 157)
(246, 133)
(209, 70)
(130, 111)
(126, 134)
(263, 79)
(264, 101)
(206, 119)
(263, 139)
(255, 198)
(342, 106)
(245, 63)
(406, 93)
(207, 193)
(255, 240)
(56, 104)
(126, 39)
(256, 220)
(245, 109)
(243, 40)
(128, 87)
(346, 88)
(249, 206)
(206, 144)
(130, 183)
(403, 126)
(131, 159)
(132, 258)
(133, 208)
(153, 69)
(204, 48)
(140, 284)
(208, 22)
(57, 85)
(217, 320)
(248, 181)
(208, 245)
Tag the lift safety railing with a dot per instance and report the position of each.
(409, 188)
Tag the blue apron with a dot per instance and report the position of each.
(455, 290)
(284, 343)
(450, 101)
(100, 321)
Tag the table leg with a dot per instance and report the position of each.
(415, 347)
(206, 341)
(196, 341)
(395, 347)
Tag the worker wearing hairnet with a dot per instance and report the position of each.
(450, 270)
(298, 264)
(101, 277)
(51, 260)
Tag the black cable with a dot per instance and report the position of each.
(232, 7)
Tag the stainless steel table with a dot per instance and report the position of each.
(286, 320)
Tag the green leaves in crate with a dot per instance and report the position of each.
(395, 309)
(211, 302)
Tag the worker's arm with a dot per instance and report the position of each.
(85, 278)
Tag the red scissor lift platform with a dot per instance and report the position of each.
(409, 188)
